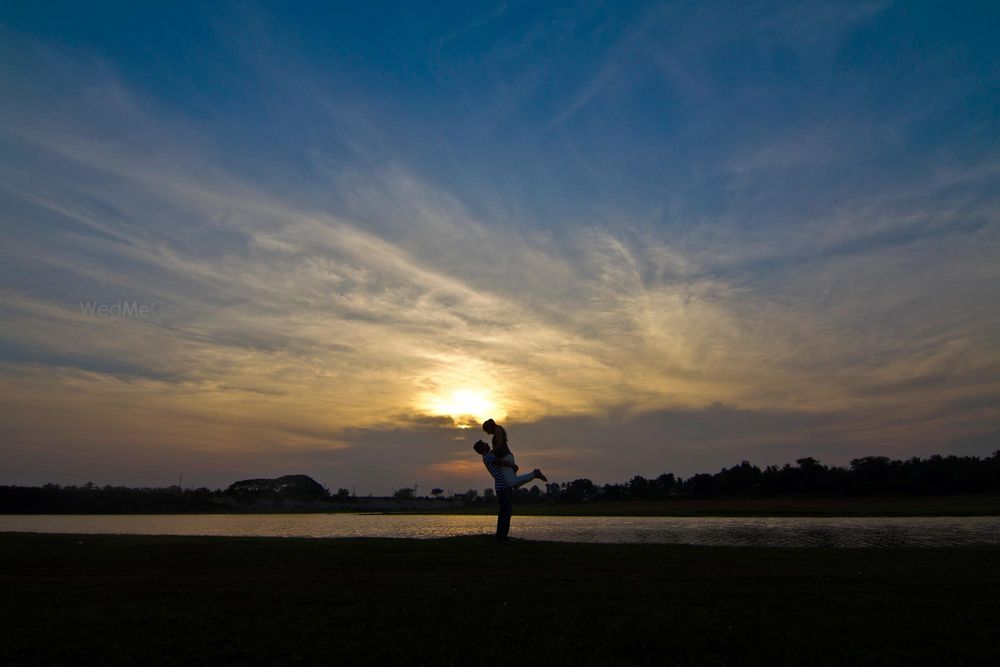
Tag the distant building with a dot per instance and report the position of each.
(298, 487)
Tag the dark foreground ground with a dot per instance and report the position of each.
(135, 600)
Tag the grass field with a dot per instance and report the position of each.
(134, 600)
(956, 505)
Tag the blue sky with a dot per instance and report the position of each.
(650, 237)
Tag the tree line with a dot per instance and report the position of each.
(92, 499)
(871, 475)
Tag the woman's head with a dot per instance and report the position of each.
(489, 426)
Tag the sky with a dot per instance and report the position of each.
(248, 239)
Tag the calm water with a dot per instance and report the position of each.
(784, 531)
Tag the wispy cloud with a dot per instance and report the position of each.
(808, 277)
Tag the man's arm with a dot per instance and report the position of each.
(499, 461)
(505, 464)
(490, 457)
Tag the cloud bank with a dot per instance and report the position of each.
(670, 260)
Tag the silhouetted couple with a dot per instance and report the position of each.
(499, 461)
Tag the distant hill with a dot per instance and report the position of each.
(295, 487)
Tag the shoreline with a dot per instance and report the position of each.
(891, 506)
(896, 506)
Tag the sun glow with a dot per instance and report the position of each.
(467, 407)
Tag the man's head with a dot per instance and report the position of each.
(481, 448)
(489, 426)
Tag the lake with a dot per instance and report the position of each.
(725, 531)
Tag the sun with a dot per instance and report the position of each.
(465, 406)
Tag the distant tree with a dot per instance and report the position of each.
(666, 485)
(437, 492)
(488, 495)
(470, 496)
(702, 484)
(342, 494)
(579, 490)
(738, 480)
(640, 488)
(871, 474)
(613, 491)
(405, 493)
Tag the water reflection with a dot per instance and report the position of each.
(783, 531)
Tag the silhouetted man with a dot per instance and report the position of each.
(501, 449)
(504, 490)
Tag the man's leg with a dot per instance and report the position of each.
(506, 498)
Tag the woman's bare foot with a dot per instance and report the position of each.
(539, 475)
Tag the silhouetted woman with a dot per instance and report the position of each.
(502, 451)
